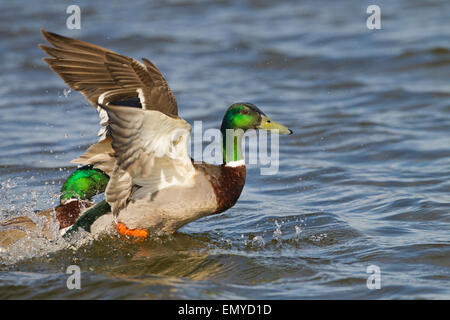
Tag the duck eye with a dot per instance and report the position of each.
(268, 121)
(244, 111)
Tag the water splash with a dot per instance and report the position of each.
(66, 92)
(298, 231)
(258, 242)
(277, 233)
(42, 240)
(318, 237)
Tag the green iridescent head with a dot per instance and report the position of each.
(239, 118)
(84, 183)
(247, 116)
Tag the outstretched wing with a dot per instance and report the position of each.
(104, 76)
(150, 150)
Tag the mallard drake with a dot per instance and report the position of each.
(150, 182)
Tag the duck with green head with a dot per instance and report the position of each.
(141, 160)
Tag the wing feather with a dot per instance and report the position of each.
(97, 73)
(93, 70)
(150, 151)
(144, 147)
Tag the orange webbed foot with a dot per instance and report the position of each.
(140, 234)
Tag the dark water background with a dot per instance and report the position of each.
(364, 180)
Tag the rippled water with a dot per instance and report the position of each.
(364, 180)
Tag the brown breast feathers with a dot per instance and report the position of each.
(227, 183)
(68, 213)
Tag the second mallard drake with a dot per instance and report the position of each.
(141, 160)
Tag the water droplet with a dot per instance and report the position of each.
(277, 233)
(66, 92)
(258, 241)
